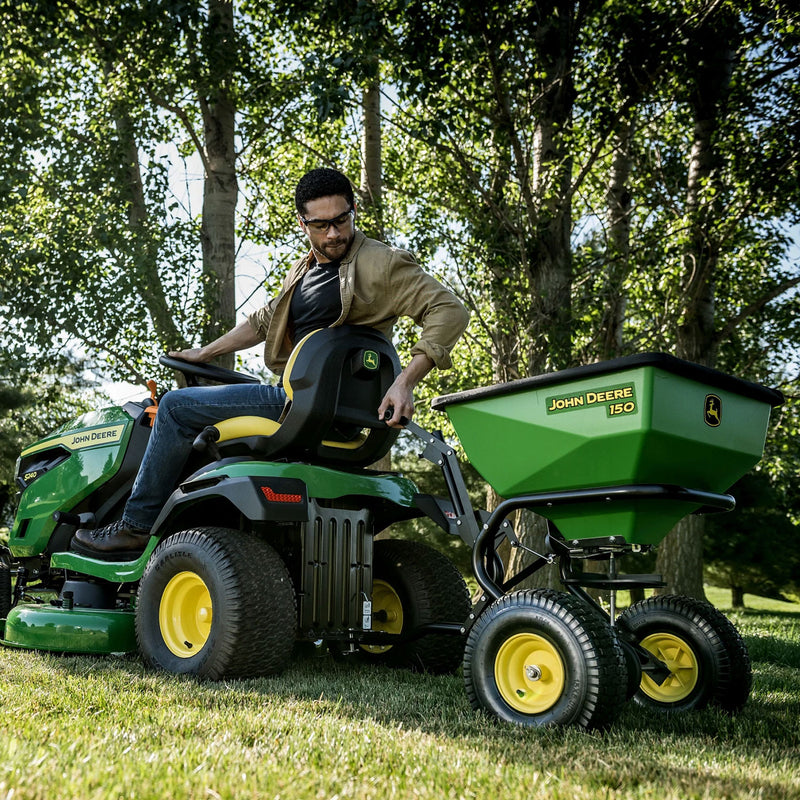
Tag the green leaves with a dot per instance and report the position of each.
(505, 127)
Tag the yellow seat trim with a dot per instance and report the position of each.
(242, 427)
(239, 427)
(287, 372)
(353, 444)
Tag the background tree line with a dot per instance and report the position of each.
(593, 179)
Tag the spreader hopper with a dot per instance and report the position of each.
(635, 443)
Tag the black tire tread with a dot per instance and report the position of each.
(606, 685)
(734, 677)
(439, 595)
(260, 630)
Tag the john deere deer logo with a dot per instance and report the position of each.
(713, 410)
(370, 359)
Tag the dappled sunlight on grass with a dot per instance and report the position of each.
(107, 727)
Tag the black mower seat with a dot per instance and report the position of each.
(334, 381)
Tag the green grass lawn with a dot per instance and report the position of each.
(79, 727)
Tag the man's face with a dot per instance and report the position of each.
(329, 225)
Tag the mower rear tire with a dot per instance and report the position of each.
(216, 603)
(414, 585)
(707, 657)
(541, 658)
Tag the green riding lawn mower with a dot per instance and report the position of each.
(269, 539)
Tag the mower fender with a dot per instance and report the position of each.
(260, 499)
(280, 492)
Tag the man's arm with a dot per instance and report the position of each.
(441, 315)
(241, 337)
(400, 397)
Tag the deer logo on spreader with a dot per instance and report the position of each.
(713, 411)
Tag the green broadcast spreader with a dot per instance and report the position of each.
(647, 420)
(269, 538)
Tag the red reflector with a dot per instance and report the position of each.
(280, 497)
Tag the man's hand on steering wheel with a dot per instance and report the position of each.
(193, 354)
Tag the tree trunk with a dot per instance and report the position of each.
(146, 276)
(220, 187)
(547, 251)
(531, 530)
(737, 597)
(371, 189)
(680, 557)
(550, 255)
(550, 203)
(618, 200)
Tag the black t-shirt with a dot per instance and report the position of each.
(317, 301)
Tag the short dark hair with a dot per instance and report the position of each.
(322, 182)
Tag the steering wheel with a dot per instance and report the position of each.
(209, 372)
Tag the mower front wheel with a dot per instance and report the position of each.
(706, 656)
(540, 657)
(216, 603)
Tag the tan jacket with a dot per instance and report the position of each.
(378, 284)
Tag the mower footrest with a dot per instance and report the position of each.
(599, 580)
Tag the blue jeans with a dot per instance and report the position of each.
(182, 414)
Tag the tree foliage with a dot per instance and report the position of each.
(30, 401)
(593, 179)
(605, 157)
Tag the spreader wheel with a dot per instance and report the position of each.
(541, 657)
(216, 603)
(415, 585)
(706, 657)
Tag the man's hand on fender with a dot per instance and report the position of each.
(397, 407)
(400, 397)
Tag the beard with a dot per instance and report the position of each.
(333, 251)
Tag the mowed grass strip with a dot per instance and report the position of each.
(79, 727)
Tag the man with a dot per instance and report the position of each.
(345, 278)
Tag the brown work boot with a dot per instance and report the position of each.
(115, 542)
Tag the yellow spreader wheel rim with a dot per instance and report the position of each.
(682, 663)
(529, 673)
(387, 614)
(184, 615)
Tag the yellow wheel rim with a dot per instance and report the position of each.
(682, 663)
(387, 614)
(529, 673)
(184, 615)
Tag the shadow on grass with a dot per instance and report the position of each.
(643, 747)
(773, 651)
(704, 754)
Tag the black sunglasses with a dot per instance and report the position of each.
(322, 225)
